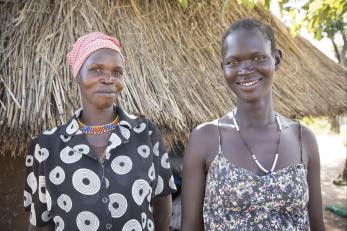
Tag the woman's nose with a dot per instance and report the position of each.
(107, 77)
(245, 67)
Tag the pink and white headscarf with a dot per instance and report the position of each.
(86, 45)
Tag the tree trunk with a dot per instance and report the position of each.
(344, 171)
(334, 124)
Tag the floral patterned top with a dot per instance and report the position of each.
(238, 199)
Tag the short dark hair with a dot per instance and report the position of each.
(250, 24)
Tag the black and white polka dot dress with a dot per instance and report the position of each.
(67, 184)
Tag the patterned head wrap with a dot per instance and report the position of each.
(86, 45)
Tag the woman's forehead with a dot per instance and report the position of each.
(105, 55)
(241, 40)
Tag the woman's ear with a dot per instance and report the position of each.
(278, 58)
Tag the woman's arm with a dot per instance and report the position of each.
(162, 207)
(193, 187)
(313, 179)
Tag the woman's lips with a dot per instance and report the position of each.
(106, 93)
(248, 83)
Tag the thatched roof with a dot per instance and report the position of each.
(172, 63)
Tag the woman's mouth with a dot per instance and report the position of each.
(248, 83)
(106, 93)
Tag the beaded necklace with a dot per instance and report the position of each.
(100, 129)
(250, 151)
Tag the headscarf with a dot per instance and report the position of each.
(86, 45)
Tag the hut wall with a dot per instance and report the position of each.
(12, 214)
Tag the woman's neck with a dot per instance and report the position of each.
(255, 114)
(92, 116)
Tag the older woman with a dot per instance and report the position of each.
(104, 169)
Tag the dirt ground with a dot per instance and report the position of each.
(332, 154)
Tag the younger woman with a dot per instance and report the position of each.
(252, 169)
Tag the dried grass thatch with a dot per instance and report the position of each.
(172, 64)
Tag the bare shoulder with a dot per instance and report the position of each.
(205, 130)
(309, 142)
(202, 140)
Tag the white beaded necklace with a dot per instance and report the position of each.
(253, 156)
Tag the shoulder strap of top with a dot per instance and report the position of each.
(219, 138)
(300, 141)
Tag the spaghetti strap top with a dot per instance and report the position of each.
(238, 199)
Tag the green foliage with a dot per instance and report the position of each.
(323, 18)
(183, 3)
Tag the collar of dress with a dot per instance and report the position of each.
(127, 121)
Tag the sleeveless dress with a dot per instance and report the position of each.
(238, 199)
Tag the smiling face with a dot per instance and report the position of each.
(101, 78)
(248, 64)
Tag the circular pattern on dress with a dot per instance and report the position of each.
(46, 216)
(117, 205)
(29, 160)
(49, 132)
(72, 127)
(143, 220)
(87, 221)
(172, 183)
(140, 190)
(124, 123)
(86, 181)
(65, 138)
(27, 199)
(57, 175)
(121, 165)
(165, 163)
(42, 189)
(125, 132)
(160, 186)
(132, 225)
(143, 151)
(32, 218)
(71, 155)
(59, 223)
(40, 154)
(115, 142)
(151, 172)
(32, 182)
(140, 128)
(130, 116)
(150, 225)
(107, 182)
(156, 149)
(64, 202)
(49, 201)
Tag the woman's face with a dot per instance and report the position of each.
(248, 64)
(101, 78)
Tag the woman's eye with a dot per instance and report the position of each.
(97, 70)
(232, 63)
(117, 73)
(259, 58)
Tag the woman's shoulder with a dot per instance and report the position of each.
(206, 129)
